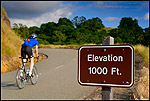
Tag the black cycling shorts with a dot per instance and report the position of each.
(26, 50)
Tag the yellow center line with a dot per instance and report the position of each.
(12, 82)
(58, 66)
(74, 59)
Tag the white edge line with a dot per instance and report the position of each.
(106, 84)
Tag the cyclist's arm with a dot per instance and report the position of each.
(36, 51)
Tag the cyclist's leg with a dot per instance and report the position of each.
(23, 54)
(30, 55)
(31, 65)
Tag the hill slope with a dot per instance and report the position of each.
(10, 44)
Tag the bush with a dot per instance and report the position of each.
(43, 42)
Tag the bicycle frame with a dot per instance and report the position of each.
(25, 77)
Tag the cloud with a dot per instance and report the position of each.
(31, 13)
(112, 18)
(135, 18)
(146, 17)
(44, 18)
(26, 9)
(122, 4)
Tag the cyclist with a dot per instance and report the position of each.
(27, 50)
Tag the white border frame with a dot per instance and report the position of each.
(111, 85)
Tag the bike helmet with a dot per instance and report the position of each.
(34, 36)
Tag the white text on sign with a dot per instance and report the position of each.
(109, 57)
(104, 70)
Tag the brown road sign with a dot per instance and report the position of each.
(111, 65)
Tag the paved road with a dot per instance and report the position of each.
(57, 79)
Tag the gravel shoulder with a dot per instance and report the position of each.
(133, 93)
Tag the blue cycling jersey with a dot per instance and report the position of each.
(30, 42)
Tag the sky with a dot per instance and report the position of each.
(35, 13)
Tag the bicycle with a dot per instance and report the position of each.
(22, 75)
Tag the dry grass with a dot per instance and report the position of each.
(10, 64)
(4, 13)
(53, 46)
(13, 63)
(141, 88)
(143, 51)
(63, 46)
(144, 83)
(10, 42)
(10, 45)
(10, 48)
(4, 16)
(108, 29)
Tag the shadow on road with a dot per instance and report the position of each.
(9, 86)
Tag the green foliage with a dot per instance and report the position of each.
(10, 42)
(146, 37)
(82, 31)
(118, 40)
(34, 29)
(91, 24)
(59, 36)
(65, 21)
(130, 32)
(21, 30)
(43, 41)
(77, 20)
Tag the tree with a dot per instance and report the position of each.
(34, 29)
(41, 41)
(86, 31)
(65, 21)
(21, 30)
(102, 34)
(77, 20)
(146, 36)
(130, 31)
(48, 28)
(16, 28)
(91, 24)
(59, 36)
(24, 31)
(118, 40)
(114, 32)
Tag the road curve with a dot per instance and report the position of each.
(57, 79)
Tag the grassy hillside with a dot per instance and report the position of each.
(143, 51)
(108, 28)
(10, 44)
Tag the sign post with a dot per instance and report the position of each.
(107, 92)
(106, 65)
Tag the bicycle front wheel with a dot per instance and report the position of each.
(35, 75)
(20, 78)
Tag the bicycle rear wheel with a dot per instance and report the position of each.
(35, 75)
(20, 78)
